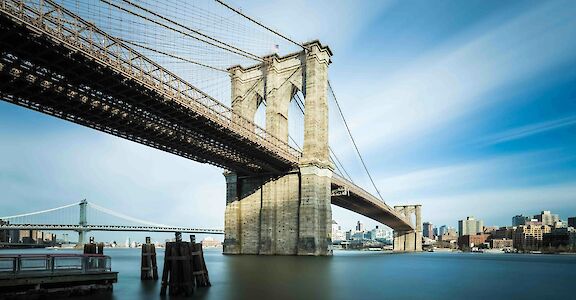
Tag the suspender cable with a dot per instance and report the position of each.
(241, 52)
(188, 28)
(259, 24)
(354, 142)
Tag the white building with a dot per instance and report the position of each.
(337, 233)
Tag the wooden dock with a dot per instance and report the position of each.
(57, 275)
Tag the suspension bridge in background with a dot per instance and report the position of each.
(152, 71)
(83, 217)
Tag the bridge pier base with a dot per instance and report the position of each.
(284, 215)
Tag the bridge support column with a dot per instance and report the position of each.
(285, 214)
(409, 241)
(82, 222)
(316, 168)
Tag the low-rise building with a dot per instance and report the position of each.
(572, 222)
(490, 229)
(501, 243)
(559, 239)
(503, 233)
(210, 242)
(466, 242)
(529, 236)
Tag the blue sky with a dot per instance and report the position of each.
(467, 107)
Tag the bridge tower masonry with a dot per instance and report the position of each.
(409, 241)
(287, 214)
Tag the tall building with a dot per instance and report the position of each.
(359, 226)
(547, 218)
(427, 230)
(572, 222)
(470, 226)
(443, 230)
(518, 220)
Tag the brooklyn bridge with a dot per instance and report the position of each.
(116, 67)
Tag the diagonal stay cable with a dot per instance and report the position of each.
(353, 141)
(172, 55)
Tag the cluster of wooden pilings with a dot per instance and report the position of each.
(94, 248)
(184, 267)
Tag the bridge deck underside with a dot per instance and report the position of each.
(377, 211)
(51, 78)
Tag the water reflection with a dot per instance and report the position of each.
(360, 275)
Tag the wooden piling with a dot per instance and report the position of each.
(184, 268)
(149, 266)
(91, 247)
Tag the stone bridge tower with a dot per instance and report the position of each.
(288, 214)
(409, 241)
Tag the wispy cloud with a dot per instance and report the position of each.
(333, 23)
(466, 175)
(528, 130)
(451, 80)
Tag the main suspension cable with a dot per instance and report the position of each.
(259, 24)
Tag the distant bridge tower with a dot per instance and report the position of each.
(83, 222)
(409, 241)
(289, 214)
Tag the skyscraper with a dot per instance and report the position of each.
(470, 226)
(427, 230)
(443, 230)
(359, 226)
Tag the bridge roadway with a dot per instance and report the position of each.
(109, 228)
(54, 62)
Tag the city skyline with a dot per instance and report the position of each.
(465, 123)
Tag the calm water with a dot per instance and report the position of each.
(363, 275)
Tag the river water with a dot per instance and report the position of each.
(361, 275)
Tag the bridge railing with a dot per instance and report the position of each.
(15, 264)
(67, 28)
